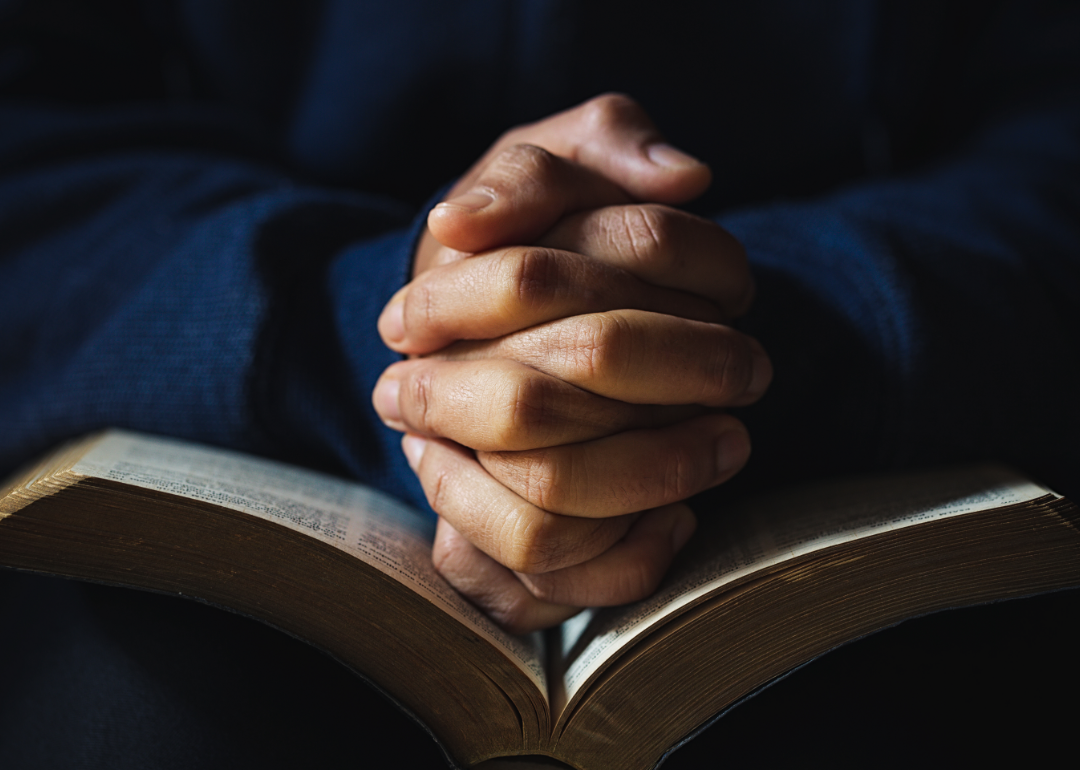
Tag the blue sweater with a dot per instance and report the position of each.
(205, 204)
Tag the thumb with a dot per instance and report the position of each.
(613, 136)
(603, 152)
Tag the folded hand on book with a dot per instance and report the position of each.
(561, 400)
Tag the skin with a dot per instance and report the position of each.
(563, 396)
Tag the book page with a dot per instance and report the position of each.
(767, 531)
(371, 526)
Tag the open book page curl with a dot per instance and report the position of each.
(371, 526)
(748, 540)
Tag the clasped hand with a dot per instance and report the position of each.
(561, 399)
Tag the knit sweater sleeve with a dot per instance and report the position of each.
(930, 317)
(158, 275)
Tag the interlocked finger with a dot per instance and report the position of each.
(602, 152)
(628, 571)
(638, 357)
(504, 291)
(518, 195)
(507, 528)
(499, 404)
(627, 472)
(491, 586)
(664, 247)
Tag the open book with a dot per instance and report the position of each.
(763, 588)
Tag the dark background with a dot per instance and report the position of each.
(102, 677)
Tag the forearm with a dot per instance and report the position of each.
(182, 290)
(926, 319)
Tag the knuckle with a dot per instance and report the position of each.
(519, 410)
(537, 543)
(596, 344)
(607, 111)
(534, 277)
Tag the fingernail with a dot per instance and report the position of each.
(392, 320)
(386, 399)
(761, 370)
(663, 154)
(682, 531)
(414, 448)
(732, 449)
(474, 200)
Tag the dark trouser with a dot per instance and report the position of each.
(99, 677)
